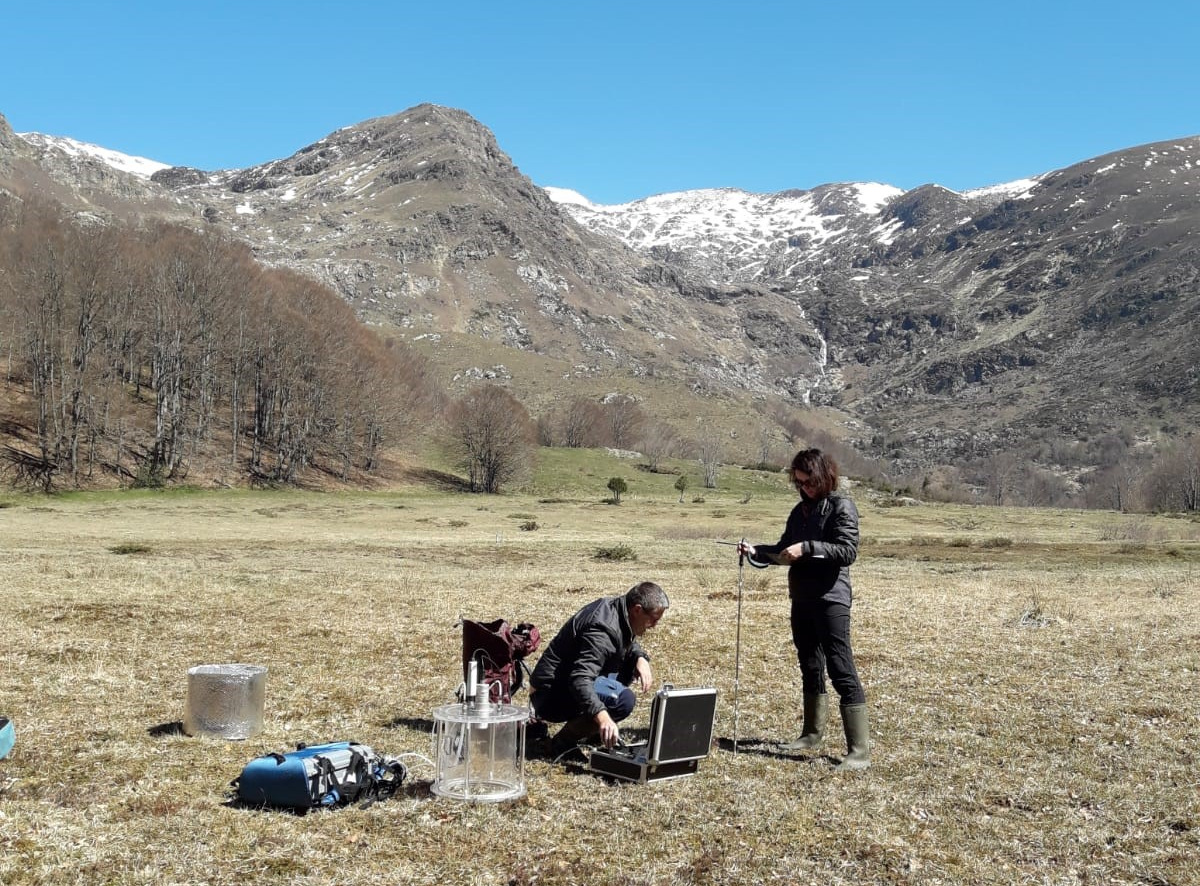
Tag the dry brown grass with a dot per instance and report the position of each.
(1034, 703)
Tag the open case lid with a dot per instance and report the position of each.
(681, 724)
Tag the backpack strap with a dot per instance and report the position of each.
(340, 793)
(522, 671)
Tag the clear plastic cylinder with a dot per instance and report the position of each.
(480, 750)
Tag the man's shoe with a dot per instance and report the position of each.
(539, 748)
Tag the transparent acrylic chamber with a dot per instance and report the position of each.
(480, 750)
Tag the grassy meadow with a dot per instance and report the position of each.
(1031, 676)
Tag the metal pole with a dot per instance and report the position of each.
(737, 654)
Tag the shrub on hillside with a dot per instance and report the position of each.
(615, 552)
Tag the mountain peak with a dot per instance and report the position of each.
(426, 142)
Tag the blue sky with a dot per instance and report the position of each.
(620, 100)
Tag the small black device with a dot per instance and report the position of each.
(681, 733)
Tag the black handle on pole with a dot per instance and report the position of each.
(741, 556)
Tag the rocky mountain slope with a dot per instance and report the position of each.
(1057, 307)
(423, 224)
(951, 324)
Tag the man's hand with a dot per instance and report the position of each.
(609, 733)
(643, 679)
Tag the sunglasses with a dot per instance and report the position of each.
(806, 480)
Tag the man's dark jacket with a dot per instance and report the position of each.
(597, 640)
(829, 529)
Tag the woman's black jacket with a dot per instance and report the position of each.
(829, 529)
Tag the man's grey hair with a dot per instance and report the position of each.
(648, 595)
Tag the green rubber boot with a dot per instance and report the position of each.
(816, 710)
(858, 738)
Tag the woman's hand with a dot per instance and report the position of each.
(791, 553)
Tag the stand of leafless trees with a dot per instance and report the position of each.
(615, 420)
(142, 352)
(1111, 472)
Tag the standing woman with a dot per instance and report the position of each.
(818, 544)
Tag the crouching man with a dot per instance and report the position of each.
(583, 678)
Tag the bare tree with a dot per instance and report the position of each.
(709, 449)
(766, 446)
(1187, 479)
(491, 436)
(1172, 483)
(1114, 487)
(43, 334)
(581, 424)
(659, 441)
(1042, 488)
(88, 291)
(795, 429)
(625, 420)
(1000, 474)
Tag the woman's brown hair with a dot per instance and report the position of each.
(821, 467)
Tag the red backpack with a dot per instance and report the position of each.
(499, 649)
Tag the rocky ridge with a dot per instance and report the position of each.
(951, 324)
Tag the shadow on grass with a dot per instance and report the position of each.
(764, 748)
(162, 730)
(417, 724)
(233, 801)
(438, 479)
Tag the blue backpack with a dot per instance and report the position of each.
(319, 776)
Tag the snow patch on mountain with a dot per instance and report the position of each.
(733, 234)
(1021, 189)
(872, 196)
(684, 218)
(736, 236)
(139, 166)
(566, 195)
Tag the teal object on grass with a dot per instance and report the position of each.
(7, 736)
